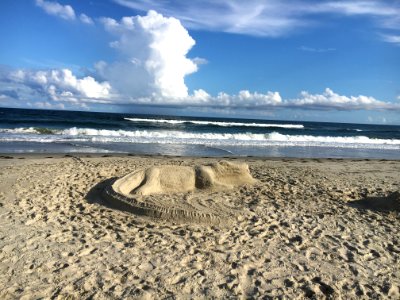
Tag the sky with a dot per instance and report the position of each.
(336, 61)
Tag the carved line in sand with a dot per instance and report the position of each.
(161, 191)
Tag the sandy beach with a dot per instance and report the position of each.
(309, 228)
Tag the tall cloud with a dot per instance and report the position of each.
(152, 51)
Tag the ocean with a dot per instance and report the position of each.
(45, 131)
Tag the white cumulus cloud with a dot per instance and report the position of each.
(65, 12)
(246, 98)
(60, 84)
(56, 9)
(152, 51)
(86, 19)
(331, 100)
(243, 99)
(328, 100)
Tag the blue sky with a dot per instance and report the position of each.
(296, 60)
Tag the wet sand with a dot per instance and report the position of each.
(308, 229)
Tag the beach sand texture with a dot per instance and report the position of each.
(306, 229)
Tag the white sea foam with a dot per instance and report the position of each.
(252, 137)
(18, 130)
(24, 130)
(156, 120)
(223, 124)
(212, 139)
(163, 134)
(275, 136)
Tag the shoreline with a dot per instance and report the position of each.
(7, 155)
(299, 233)
(184, 150)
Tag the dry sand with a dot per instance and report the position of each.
(300, 232)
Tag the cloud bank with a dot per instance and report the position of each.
(328, 100)
(61, 86)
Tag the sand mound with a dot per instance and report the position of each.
(162, 184)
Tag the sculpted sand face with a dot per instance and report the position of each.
(160, 183)
(181, 179)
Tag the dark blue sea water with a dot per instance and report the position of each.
(65, 131)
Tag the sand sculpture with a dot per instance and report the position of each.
(179, 192)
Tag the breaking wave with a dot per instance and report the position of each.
(215, 123)
(179, 137)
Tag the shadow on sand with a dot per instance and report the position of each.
(95, 195)
(389, 203)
